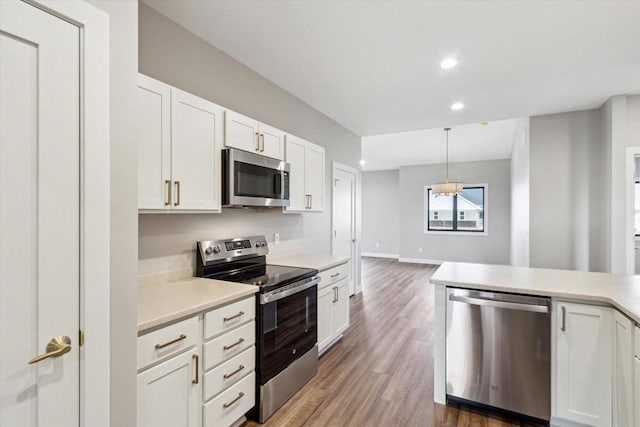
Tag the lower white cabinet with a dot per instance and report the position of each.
(623, 408)
(231, 404)
(636, 366)
(168, 393)
(583, 365)
(333, 308)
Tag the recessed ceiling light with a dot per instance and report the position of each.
(457, 106)
(363, 162)
(448, 63)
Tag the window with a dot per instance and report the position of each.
(462, 213)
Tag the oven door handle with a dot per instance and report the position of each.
(278, 294)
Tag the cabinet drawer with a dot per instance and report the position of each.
(229, 373)
(228, 317)
(637, 343)
(332, 275)
(231, 404)
(228, 345)
(165, 342)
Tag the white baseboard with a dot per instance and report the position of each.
(379, 255)
(421, 261)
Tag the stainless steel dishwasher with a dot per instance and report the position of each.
(499, 351)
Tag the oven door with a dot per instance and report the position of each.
(287, 325)
(254, 180)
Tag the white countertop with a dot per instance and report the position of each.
(165, 302)
(318, 262)
(620, 291)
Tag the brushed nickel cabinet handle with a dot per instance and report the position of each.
(257, 141)
(180, 338)
(167, 200)
(226, 405)
(197, 359)
(333, 276)
(227, 376)
(262, 146)
(310, 201)
(563, 327)
(334, 289)
(229, 347)
(226, 319)
(177, 202)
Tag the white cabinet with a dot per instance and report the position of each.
(636, 366)
(333, 307)
(179, 150)
(245, 133)
(583, 365)
(168, 393)
(623, 409)
(306, 177)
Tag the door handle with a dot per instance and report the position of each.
(177, 202)
(55, 348)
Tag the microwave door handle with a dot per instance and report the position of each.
(278, 185)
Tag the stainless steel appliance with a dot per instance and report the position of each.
(498, 351)
(250, 179)
(286, 311)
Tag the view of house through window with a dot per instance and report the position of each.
(464, 212)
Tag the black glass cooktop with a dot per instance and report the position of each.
(266, 276)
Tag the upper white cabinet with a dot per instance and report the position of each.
(179, 150)
(245, 133)
(306, 177)
(583, 365)
(623, 410)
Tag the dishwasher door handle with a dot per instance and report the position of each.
(500, 304)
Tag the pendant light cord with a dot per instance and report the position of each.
(446, 173)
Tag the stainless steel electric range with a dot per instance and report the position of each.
(286, 307)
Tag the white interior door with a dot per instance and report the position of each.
(39, 216)
(344, 219)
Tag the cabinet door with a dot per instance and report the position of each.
(583, 366)
(325, 315)
(623, 410)
(167, 394)
(636, 363)
(271, 142)
(196, 129)
(154, 143)
(240, 131)
(340, 307)
(294, 155)
(314, 176)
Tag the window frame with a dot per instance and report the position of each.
(455, 232)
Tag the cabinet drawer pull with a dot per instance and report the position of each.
(167, 200)
(333, 276)
(262, 146)
(240, 396)
(197, 359)
(227, 376)
(240, 313)
(180, 338)
(177, 202)
(257, 141)
(229, 347)
(563, 327)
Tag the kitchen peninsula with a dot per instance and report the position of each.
(594, 338)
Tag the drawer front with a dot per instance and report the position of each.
(165, 342)
(231, 404)
(637, 342)
(229, 373)
(228, 317)
(332, 275)
(228, 345)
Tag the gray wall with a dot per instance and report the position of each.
(491, 249)
(171, 54)
(124, 221)
(568, 198)
(380, 212)
(520, 195)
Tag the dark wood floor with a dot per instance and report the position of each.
(381, 373)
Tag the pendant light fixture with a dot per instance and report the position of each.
(447, 188)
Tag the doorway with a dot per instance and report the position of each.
(344, 218)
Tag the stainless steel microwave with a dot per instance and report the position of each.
(250, 179)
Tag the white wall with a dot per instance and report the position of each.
(568, 192)
(520, 195)
(171, 54)
(380, 212)
(492, 248)
(124, 222)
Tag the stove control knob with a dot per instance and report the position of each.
(208, 251)
(257, 244)
(263, 244)
(216, 249)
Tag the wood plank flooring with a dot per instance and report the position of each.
(381, 373)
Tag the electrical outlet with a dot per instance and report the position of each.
(420, 250)
(276, 238)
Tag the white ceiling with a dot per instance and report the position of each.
(466, 143)
(373, 66)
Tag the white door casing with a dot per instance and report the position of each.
(39, 215)
(343, 239)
